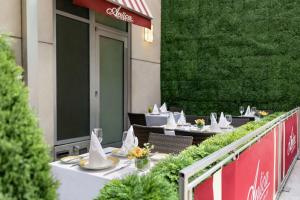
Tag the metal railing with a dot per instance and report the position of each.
(186, 187)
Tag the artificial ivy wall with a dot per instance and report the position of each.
(220, 54)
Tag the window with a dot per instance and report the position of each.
(109, 21)
(72, 72)
(68, 7)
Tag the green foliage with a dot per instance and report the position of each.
(170, 168)
(136, 187)
(24, 169)
(164, 176)
(217, 55)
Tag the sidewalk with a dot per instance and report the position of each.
(291, 190)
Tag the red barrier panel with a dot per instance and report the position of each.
(256, 174)
(205, 192)
(277, 139)
(290, 142)
(249, 177)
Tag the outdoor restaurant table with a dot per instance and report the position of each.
(78, 184)
(205, 129)
(159, 119)
(199, 135)
(194, 129)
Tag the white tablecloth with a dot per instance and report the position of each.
(78, 184)
(194, 129)
(159, 120)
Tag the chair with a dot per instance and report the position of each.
(191, 119)
(169, 144)
(142, 133)
(198, 137)
(239, 121)
(137, 118)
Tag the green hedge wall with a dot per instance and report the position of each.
(220, 54)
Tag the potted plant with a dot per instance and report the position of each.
(141, 156)
(200, 123)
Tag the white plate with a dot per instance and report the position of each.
(158, 156)
(186, 124)
(154, 113)
(226, 127)
(70, 159)
(116, 152)
(112, 162)
(167, 112)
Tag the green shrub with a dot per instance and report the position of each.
(167, 171)
(24, 169)
(133, 187)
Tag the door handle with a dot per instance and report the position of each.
(96, 93)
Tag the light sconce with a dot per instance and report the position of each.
(148, 34)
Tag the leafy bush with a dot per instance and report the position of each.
(132, 187)
(24, 169)
(166, 172)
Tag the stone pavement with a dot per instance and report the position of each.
(291, 190)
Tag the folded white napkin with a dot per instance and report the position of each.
(182, 119)
(214, 124)
(171, 123)
(163, 108)
(97, 156)
(248, 112)
(130, 142)
(155, 109)
(223, 123)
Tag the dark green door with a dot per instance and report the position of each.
(111, 88)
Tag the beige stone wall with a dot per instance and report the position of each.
(11, 24)
(146, 63)
(46, 70)
(145, 59)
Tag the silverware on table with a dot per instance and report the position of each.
(117, 169)
(77, 164)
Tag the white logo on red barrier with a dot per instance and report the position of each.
(259, 190)
(292, 142)
(119, 15)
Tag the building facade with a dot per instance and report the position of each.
(70, 56)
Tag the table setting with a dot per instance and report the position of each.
(158, 116)
(82, 176)
(253, 112)
(200, 125)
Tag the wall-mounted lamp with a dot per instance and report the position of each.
(148, 34)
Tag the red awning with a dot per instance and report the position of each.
(133, 11)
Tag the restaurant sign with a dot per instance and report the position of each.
(115, 11)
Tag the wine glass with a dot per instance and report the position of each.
(253, 110)
(242, 109)
(213, 115)
(99, 133)
(229, 119)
